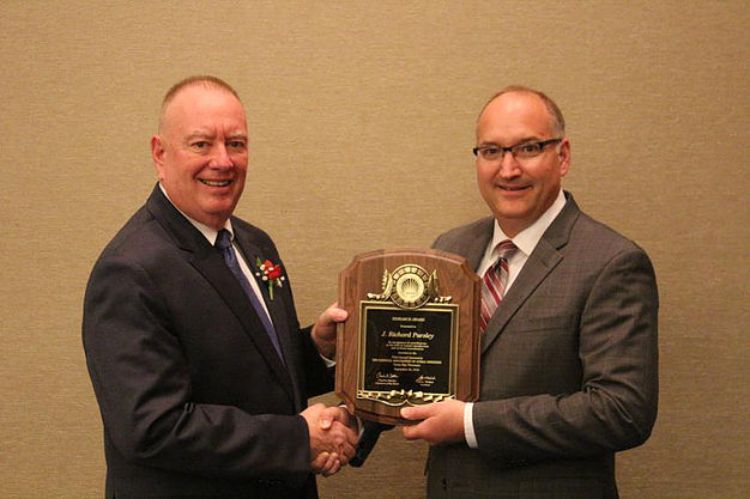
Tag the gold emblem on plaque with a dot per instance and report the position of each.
(410, 287)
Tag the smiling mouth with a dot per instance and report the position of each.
(512, 188)
(215, 183)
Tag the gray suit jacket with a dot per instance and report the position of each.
(194, 399)
(569, 367)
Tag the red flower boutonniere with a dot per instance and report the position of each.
(270, 273)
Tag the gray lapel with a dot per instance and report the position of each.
(545, 257)
(476, 243)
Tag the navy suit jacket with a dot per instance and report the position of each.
(193, 396)
(568, 367)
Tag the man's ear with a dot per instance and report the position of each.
(564, 156)
(157, 154)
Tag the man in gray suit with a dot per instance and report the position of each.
(569, 354)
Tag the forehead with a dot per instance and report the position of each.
(198, 106)
(514, 116)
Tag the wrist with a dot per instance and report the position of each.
(326, 348)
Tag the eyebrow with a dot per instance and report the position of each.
(198, 135)
(525, 140)
(238, 135)
(208, 135)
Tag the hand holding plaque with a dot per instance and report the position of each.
(412, 334)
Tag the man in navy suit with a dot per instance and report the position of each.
(197, 359)
(569, 354)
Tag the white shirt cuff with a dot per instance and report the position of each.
(471, 438)
(329, 362)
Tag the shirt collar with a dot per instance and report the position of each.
(208, 232)
(527, 239)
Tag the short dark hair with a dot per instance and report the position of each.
(556, 116)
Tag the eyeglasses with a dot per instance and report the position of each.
(525, 150)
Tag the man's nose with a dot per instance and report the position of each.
(220, 157)
(509, 166)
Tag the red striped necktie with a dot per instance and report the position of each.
(495, 280)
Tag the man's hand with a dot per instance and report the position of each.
(326, 464)
(333, 437)
(443, 422)
(324, 330)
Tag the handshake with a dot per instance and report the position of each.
(334, 432)
(333, 437)
(334, 440)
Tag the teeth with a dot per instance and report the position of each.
(216, 183)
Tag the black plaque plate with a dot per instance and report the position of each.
(407, 353)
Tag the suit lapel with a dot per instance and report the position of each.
(276, 308)
(470, 244)
(545, 257)
(212, 266)
(477, 242)
(537, 268)
(206, 260)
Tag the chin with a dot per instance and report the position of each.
(218, 207)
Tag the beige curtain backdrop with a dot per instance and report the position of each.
(361, 116)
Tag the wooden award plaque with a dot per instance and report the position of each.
(412, 336)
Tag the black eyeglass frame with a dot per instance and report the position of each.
(513, 149)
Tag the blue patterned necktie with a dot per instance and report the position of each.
(224, 244)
